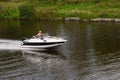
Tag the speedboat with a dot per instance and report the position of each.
(46, 42)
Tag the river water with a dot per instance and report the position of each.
(92, 51)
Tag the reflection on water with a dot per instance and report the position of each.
(39, 56)
(92, 51)
(30, 64)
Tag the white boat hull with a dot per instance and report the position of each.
(53, 46)
(46, 43)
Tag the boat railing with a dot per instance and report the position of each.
(45, 35)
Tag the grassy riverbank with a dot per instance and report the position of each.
(58, 9)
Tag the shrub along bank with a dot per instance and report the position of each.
(59, 9)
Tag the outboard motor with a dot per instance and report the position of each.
(24, 38)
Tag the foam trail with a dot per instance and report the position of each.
(10, 45)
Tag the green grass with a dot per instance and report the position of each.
(84, 9)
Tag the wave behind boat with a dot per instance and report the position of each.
(10, 45)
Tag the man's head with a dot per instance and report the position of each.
(39, 31)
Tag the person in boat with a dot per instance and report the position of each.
(40, 35)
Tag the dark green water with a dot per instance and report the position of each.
(92, 51)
